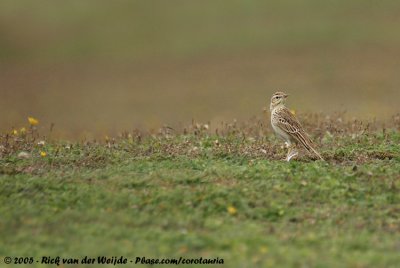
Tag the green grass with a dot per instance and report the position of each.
(168, 196)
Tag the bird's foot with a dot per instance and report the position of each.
(292, 153)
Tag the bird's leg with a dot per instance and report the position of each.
(292, 152)
(289, 147)
(287, 144)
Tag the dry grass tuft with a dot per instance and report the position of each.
(251, 139)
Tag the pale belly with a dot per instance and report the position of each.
(281, 134)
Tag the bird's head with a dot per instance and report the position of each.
(278, 98)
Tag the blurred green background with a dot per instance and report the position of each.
(107, 66)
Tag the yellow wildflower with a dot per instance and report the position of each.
(263, 249)
(33, 121)
(232, 210)
(43, 154)
(22, 130)
(15, 132)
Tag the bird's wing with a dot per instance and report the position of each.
(289, 123)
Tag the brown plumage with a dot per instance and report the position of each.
(288, 127)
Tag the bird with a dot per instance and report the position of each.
(288, 128)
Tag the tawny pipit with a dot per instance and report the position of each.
(287, 127)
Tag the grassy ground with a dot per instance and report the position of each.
(199, 193)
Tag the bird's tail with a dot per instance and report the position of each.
(315, 152)
(308, 144)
